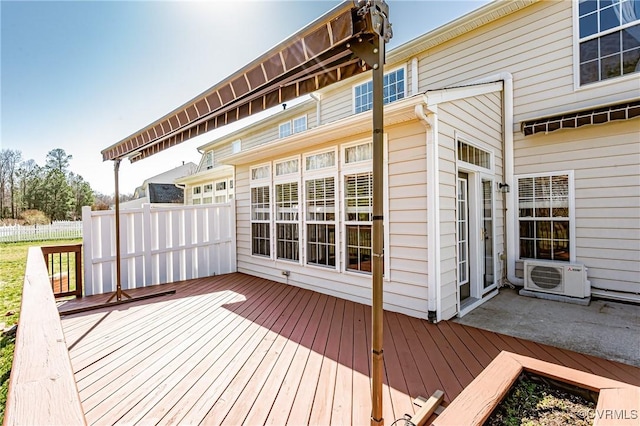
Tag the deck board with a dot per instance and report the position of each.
(238, 349)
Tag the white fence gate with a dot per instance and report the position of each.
(158, 245)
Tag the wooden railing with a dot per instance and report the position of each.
(65, 269)
(42, 386)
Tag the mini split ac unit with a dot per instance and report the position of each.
(557, 278)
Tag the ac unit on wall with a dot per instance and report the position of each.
(567, 279)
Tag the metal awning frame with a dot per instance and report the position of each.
(363, 28)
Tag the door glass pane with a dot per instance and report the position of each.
(487, 201)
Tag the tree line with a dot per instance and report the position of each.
(37, 193)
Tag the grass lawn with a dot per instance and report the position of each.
(13, 260)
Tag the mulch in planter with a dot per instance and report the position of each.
(534, 400)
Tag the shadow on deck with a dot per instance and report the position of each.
(238, 349)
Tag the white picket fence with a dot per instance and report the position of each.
(158, 245)
(62, 230)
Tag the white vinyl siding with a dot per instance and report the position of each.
(481, 117)
(405, 258)
(605, 161)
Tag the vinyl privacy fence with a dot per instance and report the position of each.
(55, 231)
(158, 245)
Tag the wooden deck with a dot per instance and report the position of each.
(236, 349)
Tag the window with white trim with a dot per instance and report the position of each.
(544, 216)
(287, 227)
(320, 195)
(297, 125)
(236, 146)
(221, 191)
(287, 209)
(358, 206)
(358, 201)
(207, 161)
(260, 211)
(320, 161)
(609, 39)
(393, 89)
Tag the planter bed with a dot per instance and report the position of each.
(618, 403)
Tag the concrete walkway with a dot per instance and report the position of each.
(605, 329)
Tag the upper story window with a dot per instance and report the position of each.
(236, 146)
(394, 89)
(207, 161)
(296, 125)
(609, 36)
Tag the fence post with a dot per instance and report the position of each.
(87, 239)
(146, 238)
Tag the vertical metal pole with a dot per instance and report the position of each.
(378, 240)
(116, 169)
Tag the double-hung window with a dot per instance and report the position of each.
(320, 207)
(609, 39)
(545, 218)
(261, 210)
(296, 125)
(358, 202)
(287, 209)
(393, 89)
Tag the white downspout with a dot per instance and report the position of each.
(430, 122)
(317, 98)
(508, 165)
(414, 76)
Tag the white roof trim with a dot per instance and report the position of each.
(394, 113)
(435, 97)
(206, 175)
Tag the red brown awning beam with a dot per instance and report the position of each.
(315, 57)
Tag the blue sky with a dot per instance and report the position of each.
(82, 75)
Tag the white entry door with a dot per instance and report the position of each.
(475, 244)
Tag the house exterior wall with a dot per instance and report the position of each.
(536, 46)
(605, 160)
(405, 282)
(478, 121)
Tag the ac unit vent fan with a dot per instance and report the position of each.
(546, 277)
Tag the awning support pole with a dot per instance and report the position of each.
(377, 357)
(119, 293)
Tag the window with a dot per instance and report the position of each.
(321, 221)
(287, 167)
(544, 216)
(357, 153)
(358, 200)
(287, 230)
(320, 161)
(472, 155)
(609, 38)
(259, 173)
(296, 125)
(207, 161)
(236, 146)
(221, 186)
(197, 190)
(260, 221)
(393, 89)
(208, 188)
